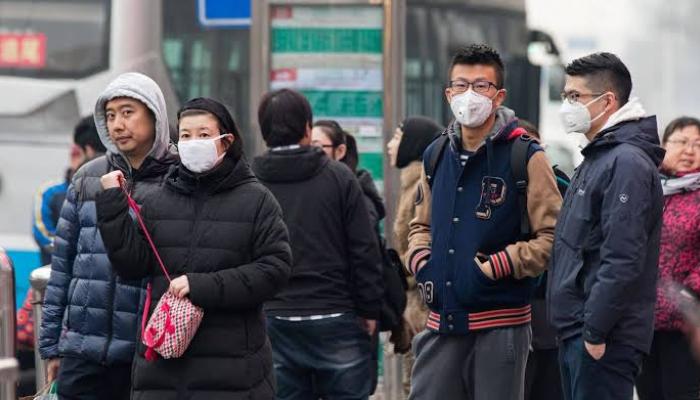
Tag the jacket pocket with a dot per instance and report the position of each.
(472, 286)
(578, 219)
(427, 281)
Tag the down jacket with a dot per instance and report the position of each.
(224, 231)
(88, 311)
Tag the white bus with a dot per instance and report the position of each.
(55, 58)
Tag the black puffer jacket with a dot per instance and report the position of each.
(336, 256)
(225, 232)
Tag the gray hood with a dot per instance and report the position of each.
(144, 89)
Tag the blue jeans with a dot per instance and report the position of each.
(610, 378)
(327, 359)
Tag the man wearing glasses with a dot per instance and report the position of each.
(602, 283)
(474, 268)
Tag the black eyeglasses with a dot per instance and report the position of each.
(480, 86)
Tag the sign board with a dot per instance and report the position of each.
(224, 13)
(333, 54)
(23, 50)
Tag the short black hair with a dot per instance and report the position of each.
(85, 134)
(352, 157)
(333, 130)
(679, 123)
(283, 116)
(480, 54)
(603, 72)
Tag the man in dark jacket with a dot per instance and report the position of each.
(320, 324)
(90, 317)
(602, 286)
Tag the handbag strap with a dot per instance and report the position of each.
(137, 211)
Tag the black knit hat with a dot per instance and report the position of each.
(226, 121)
(418, 133)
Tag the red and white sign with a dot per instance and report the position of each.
(23, 51)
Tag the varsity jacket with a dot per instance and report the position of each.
(473, 269)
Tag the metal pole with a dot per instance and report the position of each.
(39, 278)
(8, 373)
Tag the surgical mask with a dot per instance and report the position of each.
(200, 155)
(471, 109)
(576, 118)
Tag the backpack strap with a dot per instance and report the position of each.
(518, 165)
(435, 156)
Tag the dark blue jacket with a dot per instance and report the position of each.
(88, 311)
(602, 282)
(471, 210)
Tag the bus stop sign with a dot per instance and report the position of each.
(224, 13)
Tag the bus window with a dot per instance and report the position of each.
(54, 38)
(208, 62)
(436, 29)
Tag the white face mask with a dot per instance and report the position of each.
(200, 155)
(576, 118)
(471, 109)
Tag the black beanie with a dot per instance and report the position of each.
(418, 133)
(218, 110)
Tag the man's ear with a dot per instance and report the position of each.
(500, 98)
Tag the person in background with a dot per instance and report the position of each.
(405, 151)
(321, 323)
(221, 236)
(601, 286)
(90, 315)
(49, 199)
(670, 372)
(542, 377)
(330, 137)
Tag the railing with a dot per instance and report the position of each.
(9, 370)
(39, 278)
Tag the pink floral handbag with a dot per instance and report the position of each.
(174, 321)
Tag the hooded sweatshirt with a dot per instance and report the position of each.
(88, 312)
(334, 247)
(602, 281)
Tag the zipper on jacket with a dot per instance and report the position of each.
(198, 204)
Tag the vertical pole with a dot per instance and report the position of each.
(8, 368)
(39, 278)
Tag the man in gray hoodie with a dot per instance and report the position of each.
(91, 316)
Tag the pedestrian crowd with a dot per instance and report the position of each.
(188, 269)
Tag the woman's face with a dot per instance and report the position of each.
(392, 148)
(682, 150)
(203, 126)
(319, 138)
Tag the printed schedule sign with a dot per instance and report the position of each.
(333, 55)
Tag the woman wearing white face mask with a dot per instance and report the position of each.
(221, 237)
